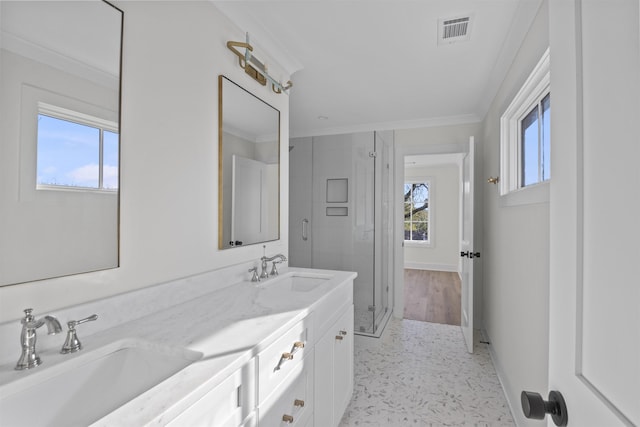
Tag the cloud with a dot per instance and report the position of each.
(110, 176)
(84, 176)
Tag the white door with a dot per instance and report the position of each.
(594, 314)
(247, 219)
(466, 247)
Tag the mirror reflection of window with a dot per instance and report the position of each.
(60, 70)
(74, 154)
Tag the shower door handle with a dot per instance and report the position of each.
(305, 226)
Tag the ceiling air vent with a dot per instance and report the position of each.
(453, 30)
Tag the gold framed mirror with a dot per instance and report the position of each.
(59, 139)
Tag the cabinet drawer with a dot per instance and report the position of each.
(280, 358)
(227, 405)
(292, 405)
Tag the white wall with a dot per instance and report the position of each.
(516, 251)
(443, 252)
(173, 54)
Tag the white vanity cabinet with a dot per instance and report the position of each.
(334, 370)
(300, 375)
(229, 404)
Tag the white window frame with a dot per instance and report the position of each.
(535, 88)
(68, 115)
(430, 237)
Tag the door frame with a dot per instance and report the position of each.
(398, 235)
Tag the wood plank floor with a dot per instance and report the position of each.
(432, 296)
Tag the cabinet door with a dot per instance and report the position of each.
(343, 365)
(334, 371)
(227, 405)
(323, 381)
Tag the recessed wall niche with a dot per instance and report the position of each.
(337, 190)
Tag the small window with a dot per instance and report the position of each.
(416, 212)
(534, 144)
(525, 135)
(75, 151)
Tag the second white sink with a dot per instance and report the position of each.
(84, 389)
(296, 281)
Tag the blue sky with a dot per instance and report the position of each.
(69, 154)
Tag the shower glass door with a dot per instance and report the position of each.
(339, 185)
(384, 228)
(343, 214)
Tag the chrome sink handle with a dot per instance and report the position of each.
(254, 276)
(274, 269)
(72, 343)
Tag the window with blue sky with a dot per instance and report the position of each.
(535, 147)
(76, 155)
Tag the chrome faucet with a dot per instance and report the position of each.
(277, 259)
(29, 359)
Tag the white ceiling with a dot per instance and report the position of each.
(376, 64)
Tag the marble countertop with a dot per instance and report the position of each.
(228, 326)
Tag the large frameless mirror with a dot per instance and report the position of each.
(60, 138)
(249, 168)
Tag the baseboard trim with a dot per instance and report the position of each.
(432, 267)
(501, 376)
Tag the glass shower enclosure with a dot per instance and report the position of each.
(340, 215)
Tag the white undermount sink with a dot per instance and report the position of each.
(296, 281)
(89, 385)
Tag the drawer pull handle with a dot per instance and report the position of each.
(298, 402)
(339, 337)
(287, 356)
(296, 346)
(287, 418)
(343, 332)
(283, 358)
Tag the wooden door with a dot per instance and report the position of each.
(594, 342)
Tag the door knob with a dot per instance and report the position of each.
(474, 254)
(535, 407)
(464, 254)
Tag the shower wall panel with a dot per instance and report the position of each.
(339, 184)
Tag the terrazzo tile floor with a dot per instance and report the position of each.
(420, 374)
